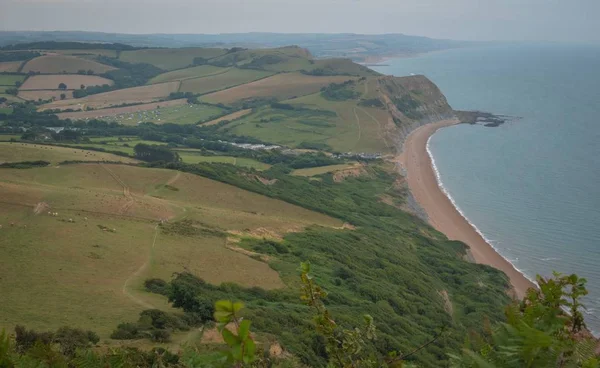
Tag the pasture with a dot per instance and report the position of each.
(55, 64)
(121, 96)
(9, 98)
(187, 73)
(85, 267)
(343, 66)
(15, 152)
(10, 66)
(280, 86)
(342, 125)
(192, 156)
(170, 59)
(8, 137)
(282, 59)
(178, 114)
(45, 95)
(184, 114)
(111, 144)
(111, 113)
(10, 79)
(358, 128)
(85, 53)
(72, 81)
(231, 78)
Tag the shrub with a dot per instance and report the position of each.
(157, 286)
(160, 336)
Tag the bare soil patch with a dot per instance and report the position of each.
(340, 176)
(230, 117)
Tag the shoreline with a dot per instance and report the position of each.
(442, 213)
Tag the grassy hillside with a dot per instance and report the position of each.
(188, 73)
(64, 258)
(170, 59)
(10, 66)
(233, 77)
(53, 64)
(71, 81)
(16, 152)
(132, 95)
(343, 125)
(239, 217)
(281, 87)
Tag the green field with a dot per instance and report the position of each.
(8, 137)
(312, 171)
(183, 114)
(283, 59)
(170, 59)
(191, 156)
(358, 129)
(286, 127)
(6, 110)
(51, 264)
(15, 152)
(113, 144)
(342, 125)
(10, 79)
(10, 98)
(218, 82)
(187, 73)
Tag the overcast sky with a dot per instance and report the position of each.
(550, 20)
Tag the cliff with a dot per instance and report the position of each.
(412, 102)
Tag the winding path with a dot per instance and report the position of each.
(126, 191)
(137, 273)
(357, 123)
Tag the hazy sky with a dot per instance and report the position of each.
(551, 20)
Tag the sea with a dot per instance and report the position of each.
(532, 185)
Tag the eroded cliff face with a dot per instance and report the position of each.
(412, 102)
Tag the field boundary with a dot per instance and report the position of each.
(241, 84)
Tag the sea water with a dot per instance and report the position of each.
(532, 185)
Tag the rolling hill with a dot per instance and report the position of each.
(237, 165)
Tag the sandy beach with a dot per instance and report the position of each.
(442, 214)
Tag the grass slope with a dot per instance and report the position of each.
(193, 156)
(313, 171)
(72, 81)
(10, 80)
(231, 78)
(193, 72)
(15, 152)
(170, 59)
(73, 273)
(343, 126)
(183, 114)
(10, 66)
(114, 98)
(116, 113)
(53, 64)
(281, 86)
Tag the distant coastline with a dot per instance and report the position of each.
(442, 213)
